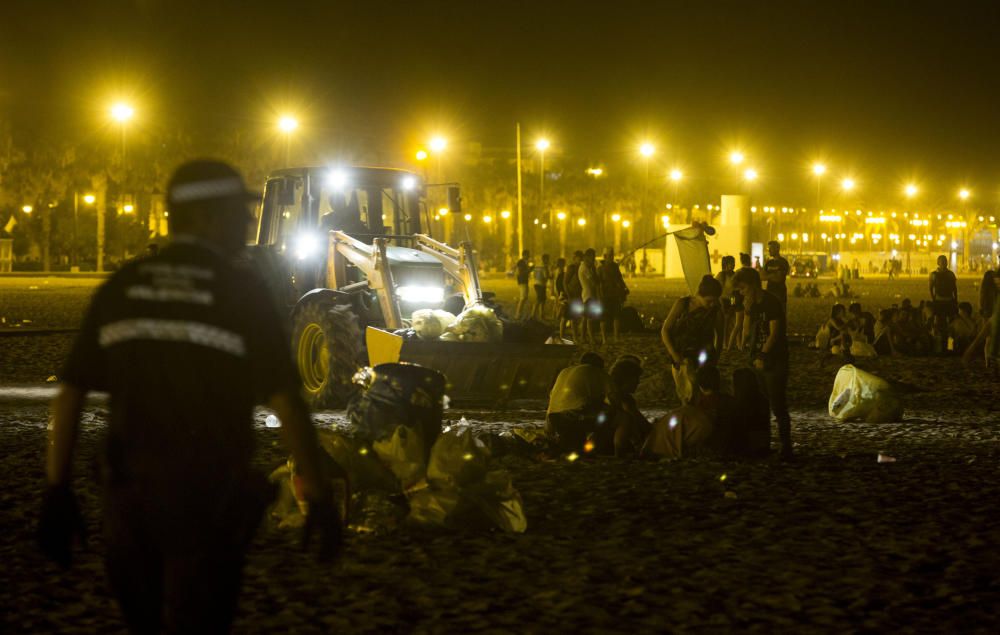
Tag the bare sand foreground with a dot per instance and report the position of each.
(833, 542)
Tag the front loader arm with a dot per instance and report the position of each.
(459, 263)
(373, 261)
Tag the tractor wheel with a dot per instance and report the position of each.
(326, 342)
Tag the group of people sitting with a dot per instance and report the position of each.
(594, 411)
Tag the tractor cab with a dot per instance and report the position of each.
(302, 206)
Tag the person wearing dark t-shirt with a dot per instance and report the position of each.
(186, 343)
(522, 273)
(767, 343)
(944, 298)
(735, 335)
(775, 271)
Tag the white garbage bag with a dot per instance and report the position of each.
(861, 396)
(431, 324)
(475, 324)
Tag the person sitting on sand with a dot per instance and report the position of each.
(588, 404)
(909, 335)
(692, 335)
(964, 328)
(883, 342)
(839, 342)
(864, 321)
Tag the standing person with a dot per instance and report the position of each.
(987, 295)
(540, 276)
(171, 339)
(944, 299)
(522, 273)
(614, 291)
(725, 278)
(775, 271)
(590, 294)
(736, 335)
(692, 335)
(574, 299)
(558, 287)
(765, 327)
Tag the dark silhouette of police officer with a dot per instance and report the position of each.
(186, 343)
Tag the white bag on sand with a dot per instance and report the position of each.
(861, 396)
(477, 323)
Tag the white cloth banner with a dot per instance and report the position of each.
(692, 246)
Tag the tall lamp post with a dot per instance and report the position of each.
(542, 145)
(647, 150)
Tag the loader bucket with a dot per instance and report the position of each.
(478, 374)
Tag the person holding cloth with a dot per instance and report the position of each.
(765, 330)
(170, 337)
(776, 270)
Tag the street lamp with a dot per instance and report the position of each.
(541, 145)
(964, 194)
(847, 184)
(750, 175)
(438, 144)
(421, 155)
(122, 112)
(910, 190)
(736, 157)
(647, 149)
(27, 209)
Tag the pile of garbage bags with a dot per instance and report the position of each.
(477, 323)
(861, 396)
(402, 467)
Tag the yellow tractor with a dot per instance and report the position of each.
(343, 250)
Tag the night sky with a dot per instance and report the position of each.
(885, 90)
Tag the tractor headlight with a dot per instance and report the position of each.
(415, 294)
(306, 245)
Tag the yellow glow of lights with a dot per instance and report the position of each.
(819, 169)
(288, 124)
(616, 217)
(27, 209)
(665, 220)
(647, 149)
(910, 190)
(595, 171)
(487, 219)
(438, 144)
(443, 211)
(750, 174)
(736, 157)
(128, 208)
(89, 199)
(122, 112)
(581, 221)
(781, 238)
(421, 155)
(505, 214)
(847, 184)
(542, 145)
(964, 194)
(626, 224)
(467, 217)
(875, 220)
(831, 218)
(676, 175)
(561, 215)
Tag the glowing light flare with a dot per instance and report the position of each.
(128, 208)
(27, 209)
(438, 144)
(421, 155)
(122, 112)
(505, 214)
(409, 183)
(467, 217)
(542, 144)
(581, 221)
(89, 199)
(572, 456)
(615, 218)
(443, 211)
(673, 422)
(750, 174)
(288, 124)
(595, 171)
(911, 190)
(676, 175)
(736, 157)
(561, 215)
(626, 224)
(847, 184)
(647, 149)
(588, 446)
(487, 219)
(819, 169)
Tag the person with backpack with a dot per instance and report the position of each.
(692, 335)
(614, 291)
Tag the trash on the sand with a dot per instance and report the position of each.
(731, 494)
(861, 396)
(51, 379)
(475, 324)
(430, 324)
(530, 435)
(403, 453)
(271, 421)
(555, 339)
(458, 458)
(885, 458)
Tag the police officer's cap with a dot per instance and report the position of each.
(205, 181)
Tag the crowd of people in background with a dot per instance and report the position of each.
(586, 294)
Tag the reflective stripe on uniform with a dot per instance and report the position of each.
(153, 294)
(197, 333)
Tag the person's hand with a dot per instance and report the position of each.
(323, 518)
(758, 364)
(60, 525)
